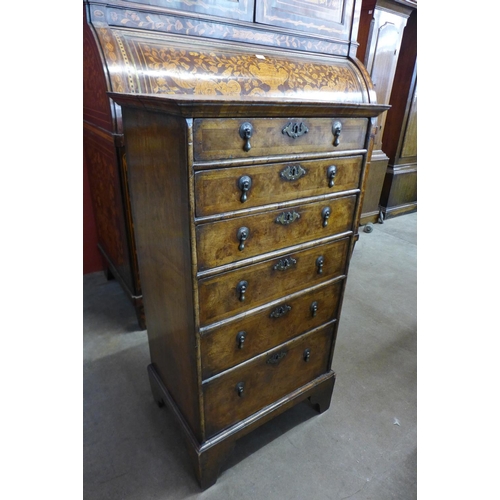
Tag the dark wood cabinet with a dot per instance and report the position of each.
(245, 172)
(382, 29)
(103, 146)
(399, 193)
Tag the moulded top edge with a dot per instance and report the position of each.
(196, 106)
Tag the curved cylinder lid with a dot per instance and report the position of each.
(153, 65)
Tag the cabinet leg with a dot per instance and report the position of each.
(139, 311)
(210, 461)
(207, 458)
(322, 399)
(157, 393)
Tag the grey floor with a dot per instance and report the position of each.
(364, 447)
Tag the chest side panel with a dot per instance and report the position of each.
(158, 173)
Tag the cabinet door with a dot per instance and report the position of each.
(409, 145)
(331, 18)
(383, 57)
(232, 9)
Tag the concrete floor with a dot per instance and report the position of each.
(364, 447)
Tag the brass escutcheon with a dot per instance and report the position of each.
(287, 218)
(292, 172)
(295, 130)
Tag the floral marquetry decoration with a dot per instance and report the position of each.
(179, 70)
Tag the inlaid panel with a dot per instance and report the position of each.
(97, 108)
(234, 9)
(326, 17)
(410, 137)
(383, 56)
(174, 67)
(224, 29)
(105, 185)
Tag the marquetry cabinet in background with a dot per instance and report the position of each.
(247, 129)
(104, 152)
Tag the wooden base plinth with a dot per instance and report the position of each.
(389, 213)
(399, 194)
(208, 457)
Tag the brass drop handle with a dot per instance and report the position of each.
(319, 264)
(241, 288)
(244, 183)
(337, 128)
(240, 339)
(325, 213)
(314, 309)
(246, 131)
(239, 389)
(331, 173)
(242, 235)
(307, 355)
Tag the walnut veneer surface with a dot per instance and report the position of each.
(246, 166)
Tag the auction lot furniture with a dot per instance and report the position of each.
(247, 139)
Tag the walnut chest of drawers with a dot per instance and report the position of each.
(246, 211)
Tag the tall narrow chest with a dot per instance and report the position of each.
(246, 167)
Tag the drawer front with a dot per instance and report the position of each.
(237, 188)
(230, 240)
(225, 138)
(222, 296)
(247, 337)
(238, 393)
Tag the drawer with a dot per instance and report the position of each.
(224, 138)
(237, 188)
(244, 338)
(238, 393)
(222, 296)
(230, 240)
